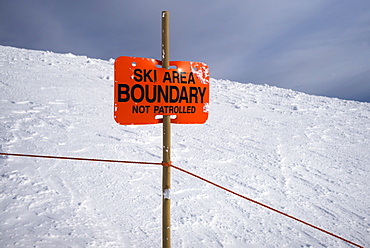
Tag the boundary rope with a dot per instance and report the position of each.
(169, 164)
(80, 159)
(265, 206)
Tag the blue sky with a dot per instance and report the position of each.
(320, 47)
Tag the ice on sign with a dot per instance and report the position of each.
(143, 91)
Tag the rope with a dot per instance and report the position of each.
(80, 159)
(169, 164)
(265, 206)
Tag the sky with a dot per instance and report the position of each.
(319, 47)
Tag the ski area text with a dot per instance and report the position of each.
(143, 91)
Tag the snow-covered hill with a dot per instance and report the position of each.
(305, 155)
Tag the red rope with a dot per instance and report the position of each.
(169, 164)
(265, 206)
(80, 159)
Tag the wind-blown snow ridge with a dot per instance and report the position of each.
(305, 155)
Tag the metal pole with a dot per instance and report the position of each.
(166, 182)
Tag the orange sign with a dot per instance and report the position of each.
(144, 91)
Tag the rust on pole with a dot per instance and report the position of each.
(166, 177)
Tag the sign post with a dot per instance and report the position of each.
(166, 175)
(149, 91)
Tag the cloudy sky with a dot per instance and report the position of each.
(320, 47)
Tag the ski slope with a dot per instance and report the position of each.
(305, 155)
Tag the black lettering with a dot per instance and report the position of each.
(175, 75)
(191, 78)
(160, 94)
(138, 77)
(167, 77)
(193, 94)
(140, 109)
(201, 93)
(183, 95)
(183, 78)
(174, 96)
(135, 109)
(147, 75)
(154, 95)
(164, 94)
(141, 93)
(123, 92)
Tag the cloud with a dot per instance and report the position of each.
(313, 51)
(312, 46)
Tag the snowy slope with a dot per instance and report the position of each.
(305, 155)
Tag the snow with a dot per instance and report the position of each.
(166, 194)
(305, 155)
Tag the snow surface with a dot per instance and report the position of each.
(305, 155)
